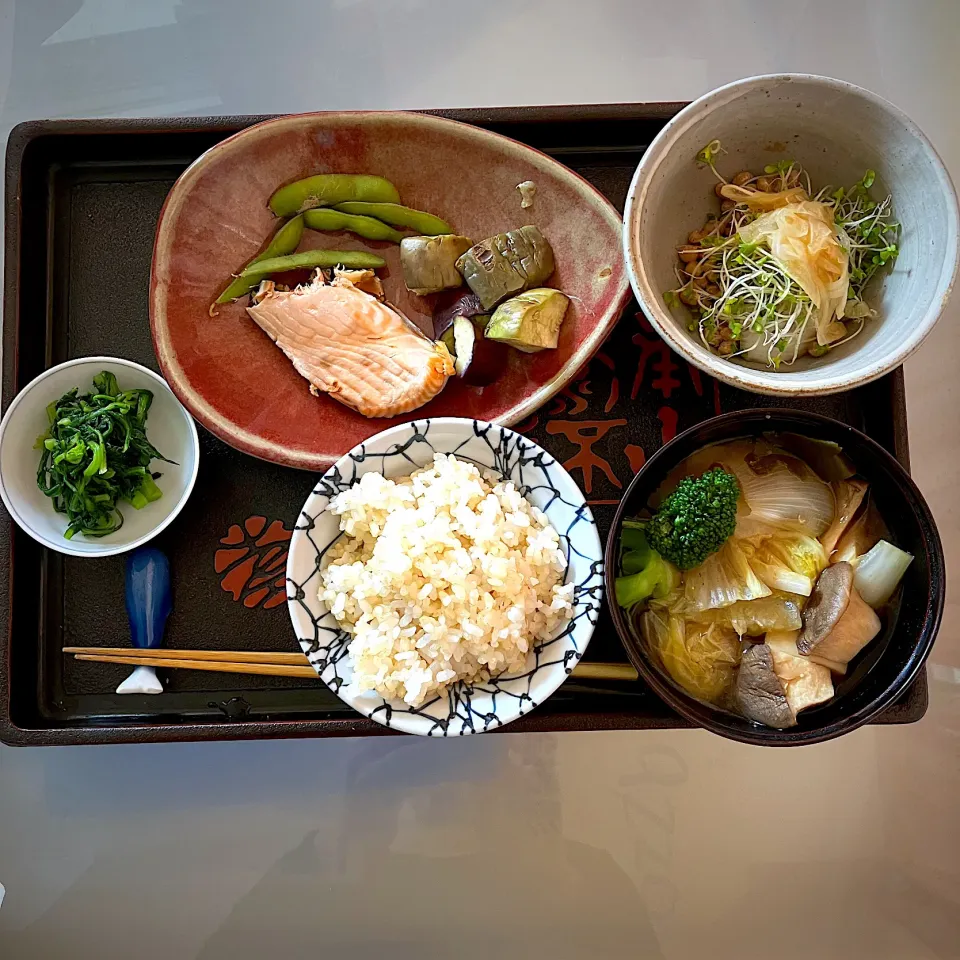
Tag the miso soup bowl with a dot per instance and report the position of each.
(892, 661)
(837, 131)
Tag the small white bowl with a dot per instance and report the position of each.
(397, 452)
(837, 131)
(170, 429)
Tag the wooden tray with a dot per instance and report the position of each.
(82, 200)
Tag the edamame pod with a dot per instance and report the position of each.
(284, 242)
(328, 189)
(356, 259)
(424, 224)
(326, 218)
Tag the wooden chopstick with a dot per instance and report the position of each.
(212, 666)
(271, 664)
(216, 656)
(605, 671)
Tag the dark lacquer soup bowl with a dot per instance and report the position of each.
(887, 665)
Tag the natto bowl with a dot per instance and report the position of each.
(837, 131)
(890, 663)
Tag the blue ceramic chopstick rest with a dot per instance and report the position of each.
(148, 603)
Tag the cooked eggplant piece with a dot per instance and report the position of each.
(530, 322)
(447, 339)
(429, 264)
(760, 692)
(464, 338)
(465, 305)
(478, 361)
(508, 263)
(837, 623)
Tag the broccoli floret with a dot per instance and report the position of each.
(696, 519)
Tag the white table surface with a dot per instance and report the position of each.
(647, 844)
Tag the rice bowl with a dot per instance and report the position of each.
(414, 598)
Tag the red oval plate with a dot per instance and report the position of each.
(229, 374)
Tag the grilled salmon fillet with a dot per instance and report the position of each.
(347, 343)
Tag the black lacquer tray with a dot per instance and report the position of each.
(82, 201)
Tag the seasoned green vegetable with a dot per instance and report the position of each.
(95, 454)
(356, 259)
(530, 322)
(696, 519)
(425, 224)
(430, 263)
(284, 242)
(323, 218)
(506, 264)
(329, 189)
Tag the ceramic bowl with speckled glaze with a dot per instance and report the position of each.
(397, 452)
(836, 131)
(229, 374)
